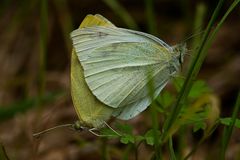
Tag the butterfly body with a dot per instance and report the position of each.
(117, 67)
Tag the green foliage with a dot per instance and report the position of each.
(228, 121)
(199, 125)
(195, 116)
(127, 135)
(164, 101)
(228, 129)
(149, 137)
(124, 128)
(199, 87)
(127, 138)
(24, 105)
(192, 73)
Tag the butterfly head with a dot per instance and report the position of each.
(79, 126)
(180, 51)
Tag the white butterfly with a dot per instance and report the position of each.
(119, 64)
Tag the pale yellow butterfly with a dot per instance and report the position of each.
(112, 67)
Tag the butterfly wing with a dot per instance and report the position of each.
(90, 110)
(119, 64)
(133, 109)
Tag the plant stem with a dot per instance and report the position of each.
(65, 20)
(206, 135)
(155, 131)
(171, 149)
(192, 74)
(151, 18)
(127, 151)
(104, 149)
(122, 13)
(3, 153)
(228, 130)
(198, 24)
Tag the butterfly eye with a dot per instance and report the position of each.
(181, 51)
(78, 126)
(180, 56)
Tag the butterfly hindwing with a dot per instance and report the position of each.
(90, 110)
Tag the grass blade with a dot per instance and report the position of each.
(151, 18)
(198, 24)
(192, 73)
(122, 13)
(171, 149)
(3, 153)
(65, 19)
(229, 129)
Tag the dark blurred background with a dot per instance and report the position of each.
(35, 52)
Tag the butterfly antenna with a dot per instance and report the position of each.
(193, 35)
(37, 135)
(112, 129)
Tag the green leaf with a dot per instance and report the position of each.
(125, 139)
(166, 99)
(139, 138)
(178, 83)
(149, 137)
(191, 115)
(228, 120)
(199, 125)
(124, 128)
(199, 88)
(108, 132)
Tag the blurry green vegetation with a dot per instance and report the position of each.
(3, 154)
(122, 13)
(233, 121)
(151, 17)
(7, 112)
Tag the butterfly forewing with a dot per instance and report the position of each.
(119, 64)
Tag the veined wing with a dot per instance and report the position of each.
(118, 73)
(90, 110)
(87, 39)
(119, 64)
(131, 110)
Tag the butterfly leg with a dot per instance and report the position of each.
(94, 133)
(112, 129)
